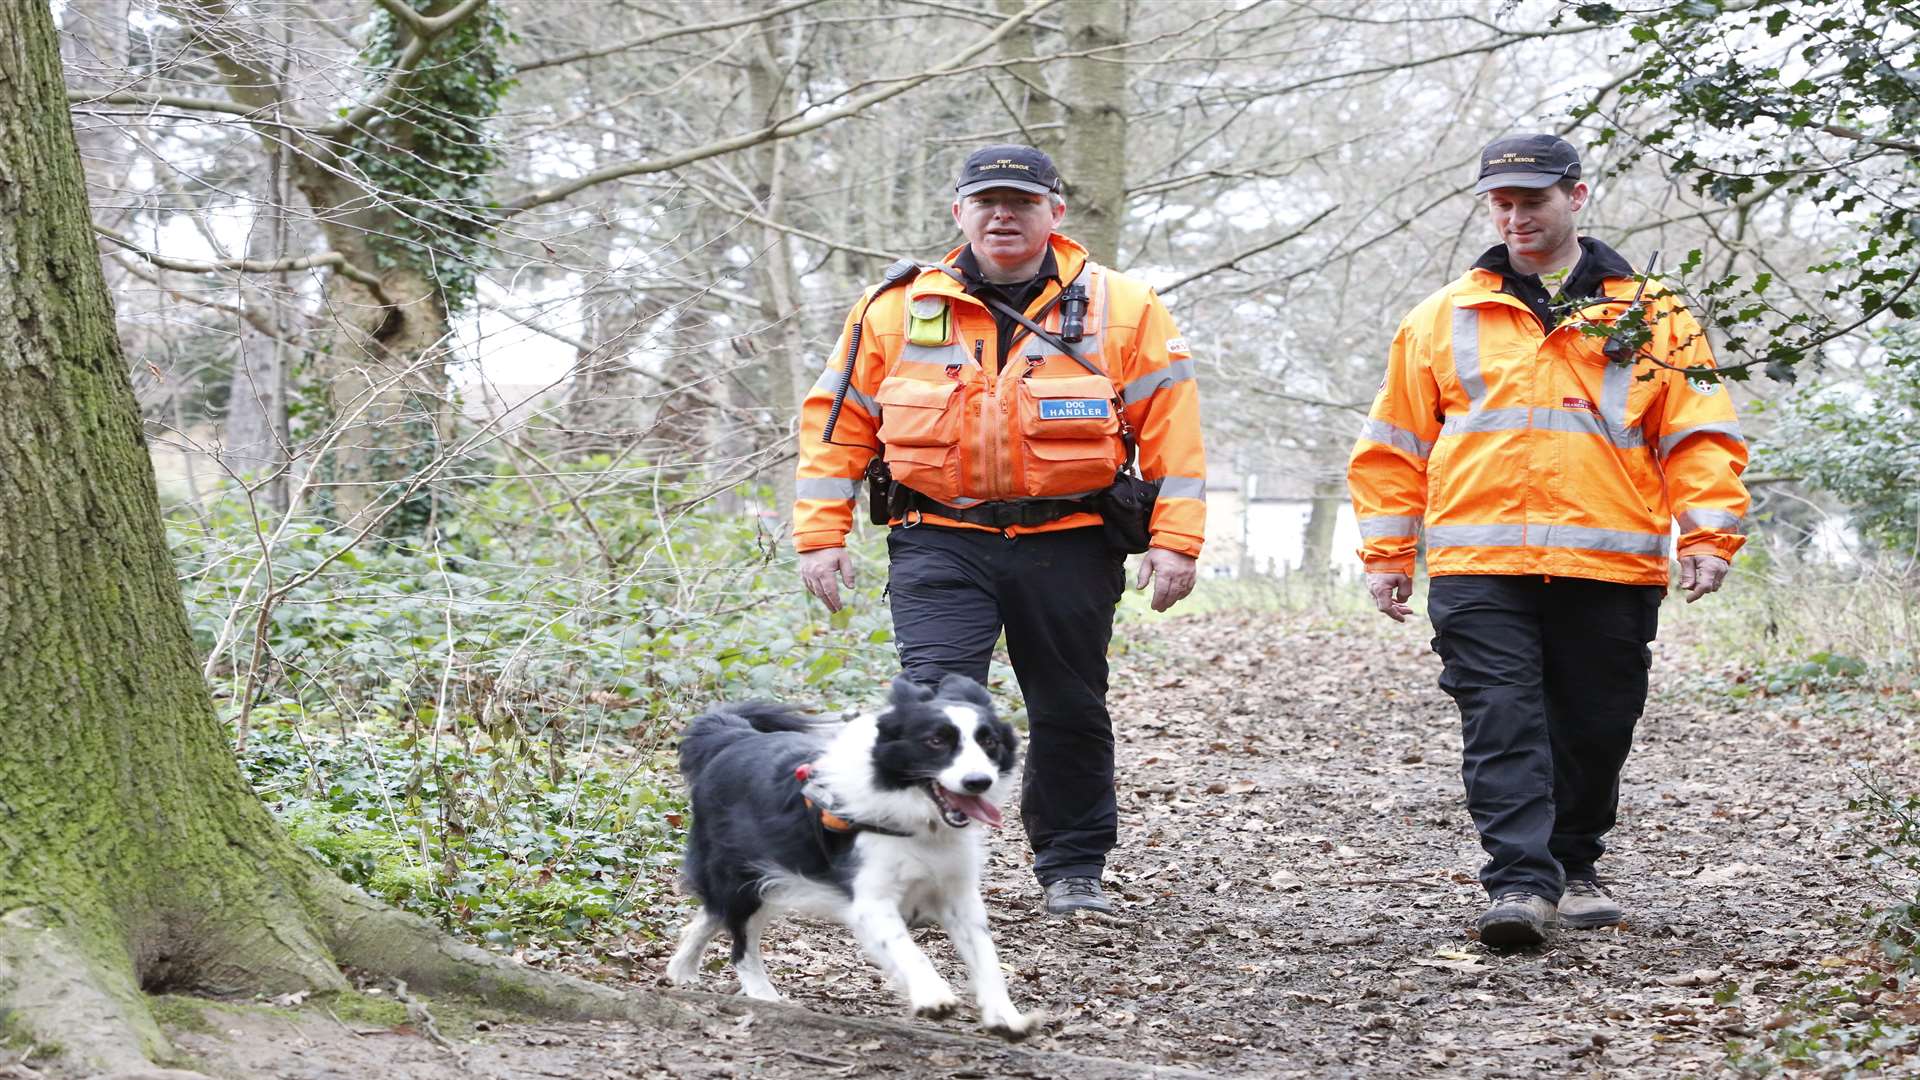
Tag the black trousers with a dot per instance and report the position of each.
(1550, 677)
(953, 590)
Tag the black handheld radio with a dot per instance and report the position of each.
(1073, 314)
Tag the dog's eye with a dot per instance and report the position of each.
(940, 738)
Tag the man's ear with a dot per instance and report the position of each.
(1059, 212)
(1578, 196)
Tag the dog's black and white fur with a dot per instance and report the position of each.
(929, 766)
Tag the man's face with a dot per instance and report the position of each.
(1007, 226)
(1535, 222)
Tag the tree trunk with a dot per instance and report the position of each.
(1095, 161)
(1036, 110)
(1316, 548)
(133, 853)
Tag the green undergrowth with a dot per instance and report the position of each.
(1858, 1013)
(478, 725)
(1836, 660)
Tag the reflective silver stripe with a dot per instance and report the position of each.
(1184, 487)
(1583, 422)
(938, 355)
(1578, 421)
(1439, 536)
(1488, 420)
(825, 487)
(1590, 539)
(1377, 528)
(829, 381)
(1729, 428)
(1146, 385)
(1723, 520)
(1558, 536)
(1615, 386)
(1397, 437)
(1466, 354)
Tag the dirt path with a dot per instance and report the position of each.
(1296, 878)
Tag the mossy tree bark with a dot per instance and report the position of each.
(132, 852)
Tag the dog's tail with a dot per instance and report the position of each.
(712, 732)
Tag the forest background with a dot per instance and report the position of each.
(468, 335)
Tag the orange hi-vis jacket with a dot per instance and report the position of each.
(961, 429)
(1522, 451)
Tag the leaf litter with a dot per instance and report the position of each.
(1295, 883)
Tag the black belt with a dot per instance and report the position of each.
(998, 515)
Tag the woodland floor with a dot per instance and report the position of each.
(1296, 894)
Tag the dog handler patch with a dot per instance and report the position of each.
(1074, 408)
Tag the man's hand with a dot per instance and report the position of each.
(1390, 594)
(1172, 575)
(818, 569)
(1702, 574)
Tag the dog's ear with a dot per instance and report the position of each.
(907, 693)
(962, 688)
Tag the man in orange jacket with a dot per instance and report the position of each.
(1545, 433)
(996, 438)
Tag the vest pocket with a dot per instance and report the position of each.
(933, 471)
(1070, 435)
(918, 412)
(1068, 407)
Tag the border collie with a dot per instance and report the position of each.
(867, 823)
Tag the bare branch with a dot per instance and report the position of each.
(1872, 140)
(165, 101)
(785, 129)
(249, 266)
(666, 35)
(1266, 245)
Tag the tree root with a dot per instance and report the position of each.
(367, 934)
(53, 993)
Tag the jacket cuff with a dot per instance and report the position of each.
(1403, 565)
(814, 541)
(1721, 546)
(1185, 545)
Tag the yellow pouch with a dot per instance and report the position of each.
(927, 322)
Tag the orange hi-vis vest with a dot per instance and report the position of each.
(1522, 451)
(960, 428)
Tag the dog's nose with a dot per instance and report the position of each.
(977, 783)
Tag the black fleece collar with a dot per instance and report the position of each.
(1598, 262)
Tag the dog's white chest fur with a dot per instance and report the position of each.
(931, 768)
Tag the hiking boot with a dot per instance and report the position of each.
(1586, 906)
(1517, 920)
(1068, 895)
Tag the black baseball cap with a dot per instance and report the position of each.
(1007, 165)
(1527, 161)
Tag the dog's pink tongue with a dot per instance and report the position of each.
(977, 808)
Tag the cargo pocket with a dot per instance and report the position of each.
(920, 428)
(918, 412)
(933, 471)
(1070, 435)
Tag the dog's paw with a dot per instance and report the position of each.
(683, 974)
(937, 1008)
(1013, 1026)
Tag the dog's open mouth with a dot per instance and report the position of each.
(956, 809)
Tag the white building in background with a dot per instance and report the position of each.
(1257, 521)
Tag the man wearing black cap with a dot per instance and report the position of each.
(1540, 426)
(997, 439)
